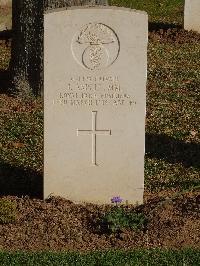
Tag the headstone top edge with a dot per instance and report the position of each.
(98, 7)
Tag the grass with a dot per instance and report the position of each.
(159, 11)
(4, 57)
(173, 111)
(22, 142)
(155, 257)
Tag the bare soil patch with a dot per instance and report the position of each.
(59, 224)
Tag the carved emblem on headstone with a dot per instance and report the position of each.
(95, 46)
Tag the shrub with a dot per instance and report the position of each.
(7, 211)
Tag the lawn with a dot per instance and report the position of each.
(172, 159)
(159, 11)
(111, 258)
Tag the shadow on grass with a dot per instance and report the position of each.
(5, 35)
(181, 183)
(19, 182)
(172, 150)
(5, 82)
(156, 26)
(5, 75)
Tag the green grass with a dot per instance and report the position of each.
(22, 141)
(173, 115)
(159, 11)
(155, 257)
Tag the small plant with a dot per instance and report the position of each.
(118, 219)
(116, 200)
(7, 211)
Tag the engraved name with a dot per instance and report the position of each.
(86, 91)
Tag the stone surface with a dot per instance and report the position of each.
(192, 15)
(5, 15)
(95, 64)
(5, 2)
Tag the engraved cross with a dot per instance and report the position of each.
(93, 132)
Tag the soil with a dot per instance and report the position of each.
(59, 224)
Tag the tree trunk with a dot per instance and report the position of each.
(27, 44)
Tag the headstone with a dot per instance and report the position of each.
(5, 2)
(95, 68)
(5, 15)
(192, 15)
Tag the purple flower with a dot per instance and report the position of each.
(116, 199)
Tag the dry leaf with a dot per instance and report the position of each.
(18, 144)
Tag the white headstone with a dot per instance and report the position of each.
(95, 68)
(5, 2)
(192, 15)
(5, 15)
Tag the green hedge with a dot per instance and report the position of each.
(187, 257)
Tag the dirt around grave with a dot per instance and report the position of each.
(58, 224)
